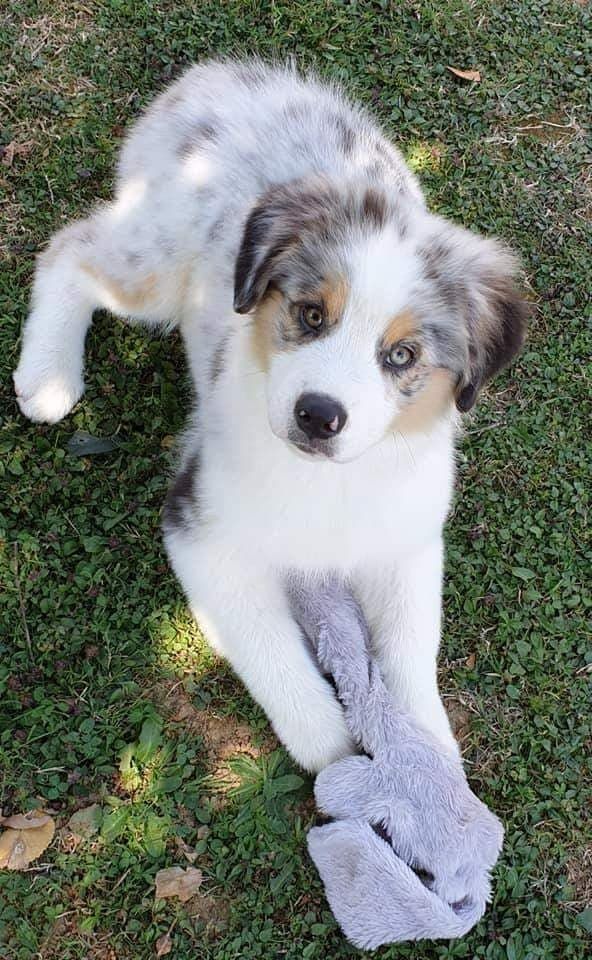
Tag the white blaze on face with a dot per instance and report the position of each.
(343, 364)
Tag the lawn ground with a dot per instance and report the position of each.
(108, 695)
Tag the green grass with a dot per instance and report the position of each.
(97, 652)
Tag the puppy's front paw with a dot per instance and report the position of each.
(46, 397)
(317, 737)
(317, 755)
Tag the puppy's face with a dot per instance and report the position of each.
(364, 329)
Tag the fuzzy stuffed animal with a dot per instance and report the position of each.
(410, 847)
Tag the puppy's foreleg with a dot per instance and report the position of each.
(402, 605)
(246, 616)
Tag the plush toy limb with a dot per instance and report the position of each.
(411, 785)
(375, 897)
(424, 804)
(335, 628)
(420, 797)
(342, 789)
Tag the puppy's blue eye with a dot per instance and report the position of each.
(400, 357)
(311, 317)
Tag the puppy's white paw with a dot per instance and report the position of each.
(48, 398)
(320, 739)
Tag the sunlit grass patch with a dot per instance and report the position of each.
(422, 156)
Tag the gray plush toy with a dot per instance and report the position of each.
(410, 847)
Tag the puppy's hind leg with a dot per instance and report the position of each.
(48, 380)
(96, 263)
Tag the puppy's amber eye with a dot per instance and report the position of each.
(400, 357)
(311, 317)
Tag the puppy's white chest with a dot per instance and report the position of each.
(291, 512)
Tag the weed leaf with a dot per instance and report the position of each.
(114, 823)
(150, 740)
(585, 919)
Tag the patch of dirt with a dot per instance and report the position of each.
(306, 808)
(579, 877)
(45, 41)
(223, 735)
(583, 190)
(552, 129)
(96, 946)
(212, 911)
(459, 713)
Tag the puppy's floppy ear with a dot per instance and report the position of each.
(274, 228)
(477, 277)
(496, 315)
(263, 243)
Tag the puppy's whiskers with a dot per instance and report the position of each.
(409, 450)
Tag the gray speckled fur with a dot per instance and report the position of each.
(407, 784)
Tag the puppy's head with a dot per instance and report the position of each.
(370, 316)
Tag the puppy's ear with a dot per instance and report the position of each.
(263, 243)
(477, 278)
(495, 314)
(275, 228)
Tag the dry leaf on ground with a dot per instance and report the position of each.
(178, 882)
(25, 821)
(164, 945)
(24, 838)
(465, 74)
(86, 822)
(12, 150)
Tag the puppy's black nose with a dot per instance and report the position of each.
(319, 417)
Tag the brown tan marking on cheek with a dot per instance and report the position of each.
(429, 404)
(404, 325)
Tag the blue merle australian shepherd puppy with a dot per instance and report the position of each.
(334, 329)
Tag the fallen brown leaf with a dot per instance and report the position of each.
(466, 74)
(86, 822)
(164, 945)
(24, 839)
(12, 150)
(25, 821)
(178, 882)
